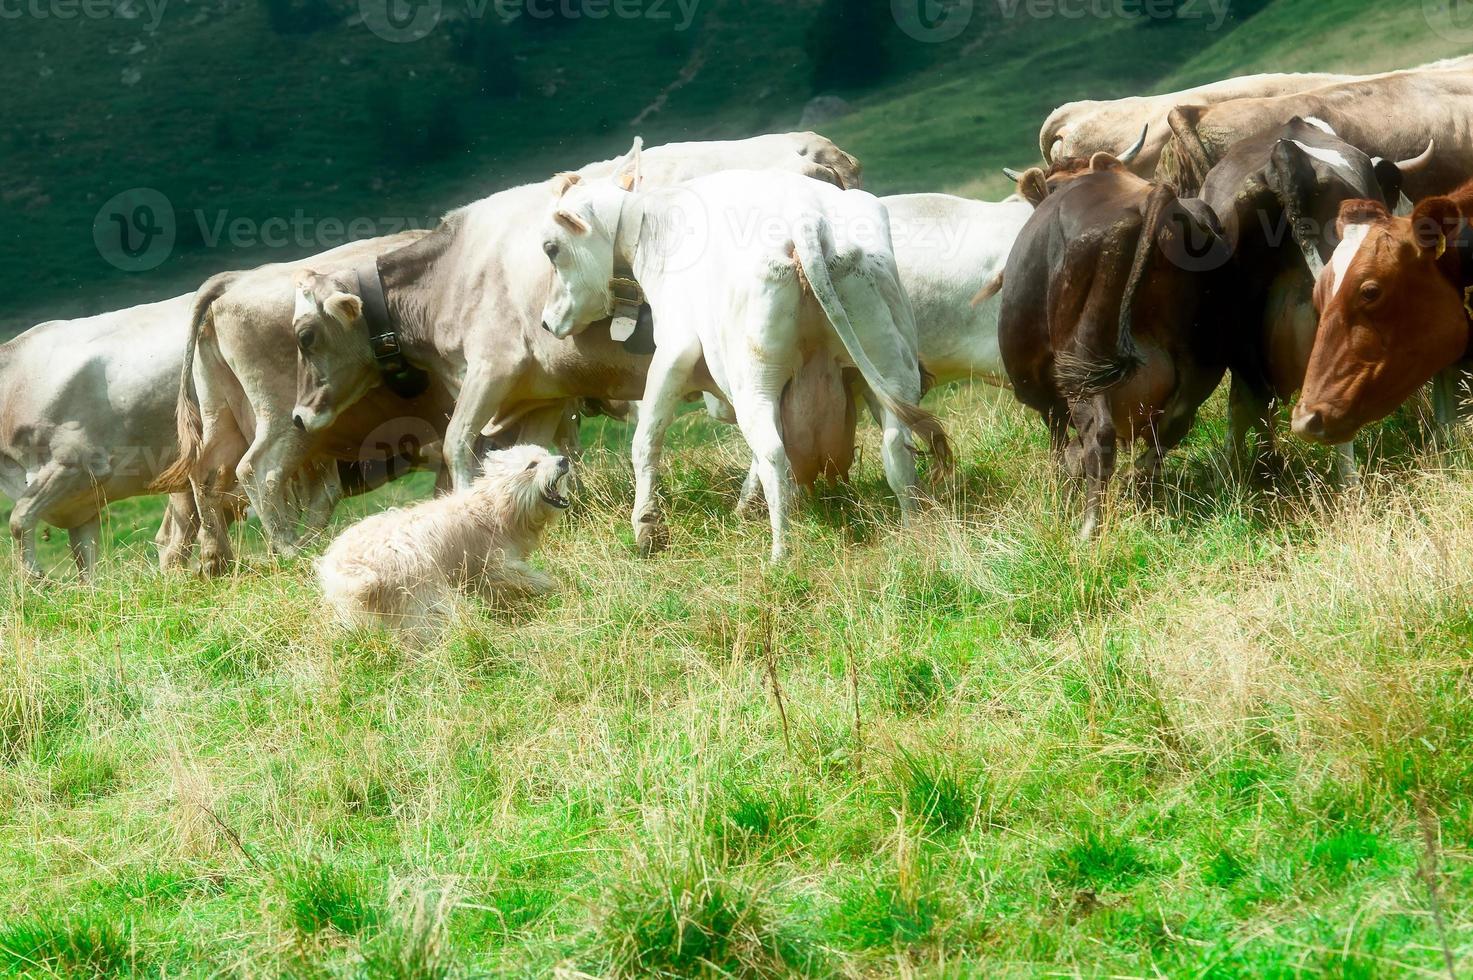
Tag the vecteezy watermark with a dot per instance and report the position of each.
(400, 21)
(83, 10)
(1450, 19)
(1217, 10)
(939, 21)
(136, 230)
(933, 21)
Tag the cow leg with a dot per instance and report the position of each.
(479, 400)
(53, 485)
(751, 495)
(1347, 473)
(323, 488)
(758, 415)
(1248, 410)
(265, 474)
(568, 438)
(215, 552)
(1445, 396)
(180, 527)
(1057, 420)
(82, 540)
(666, 384)
(1096, 428)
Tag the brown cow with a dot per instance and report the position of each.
(1110, 320)
(1395, 308)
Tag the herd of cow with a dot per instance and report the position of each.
(1307, 233)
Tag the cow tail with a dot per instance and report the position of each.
(808, 245)
(1127, 359)
(188, 421)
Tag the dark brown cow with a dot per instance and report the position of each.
(1110, 320)
(1276, 196)
(1395, 307)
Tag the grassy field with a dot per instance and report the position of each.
(1231, 738)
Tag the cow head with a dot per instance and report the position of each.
(578, 239)
(1391, 316)
(1312, 172)
(335, 366)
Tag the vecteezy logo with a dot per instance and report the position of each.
(400, 21)
(134, 231)
(932, 21)
(1450, 19)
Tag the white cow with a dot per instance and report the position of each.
(951, 253)
(465, 302)
(87, 417)
(747, 273)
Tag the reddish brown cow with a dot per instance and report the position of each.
(1395, 307)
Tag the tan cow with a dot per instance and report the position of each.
(1394, 117)
(234, 404)
(1080, 129)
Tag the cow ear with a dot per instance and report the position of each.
(344, 308)
(1103, 161)
(1359, 212)
(1033, 186)
(629, 174)
(1434, 221)
(571, 222)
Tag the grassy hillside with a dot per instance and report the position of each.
(232, 120)
(1209, 745)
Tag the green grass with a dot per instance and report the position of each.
(1208, 744)
(1204, 745)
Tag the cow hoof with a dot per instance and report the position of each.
(213, 566)
(651, 539)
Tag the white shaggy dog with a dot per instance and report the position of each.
(402, 567)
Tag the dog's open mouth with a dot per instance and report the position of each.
(556, 495)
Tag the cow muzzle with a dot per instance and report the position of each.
(1309, 424)
(306, 419)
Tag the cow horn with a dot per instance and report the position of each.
(1135, 150)
(1419, 161)
(1011, 174)
(1053, 149)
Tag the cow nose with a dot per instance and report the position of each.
(1308, 424)
(298, 422)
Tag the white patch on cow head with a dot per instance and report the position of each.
(306, 305)
(1345, 252)
(1320, 124)
(1333, 157)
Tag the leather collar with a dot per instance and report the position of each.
(400, 376)
(627, 304)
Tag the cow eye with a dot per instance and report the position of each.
(1370, 291)
(306, 338)
(551, 249)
